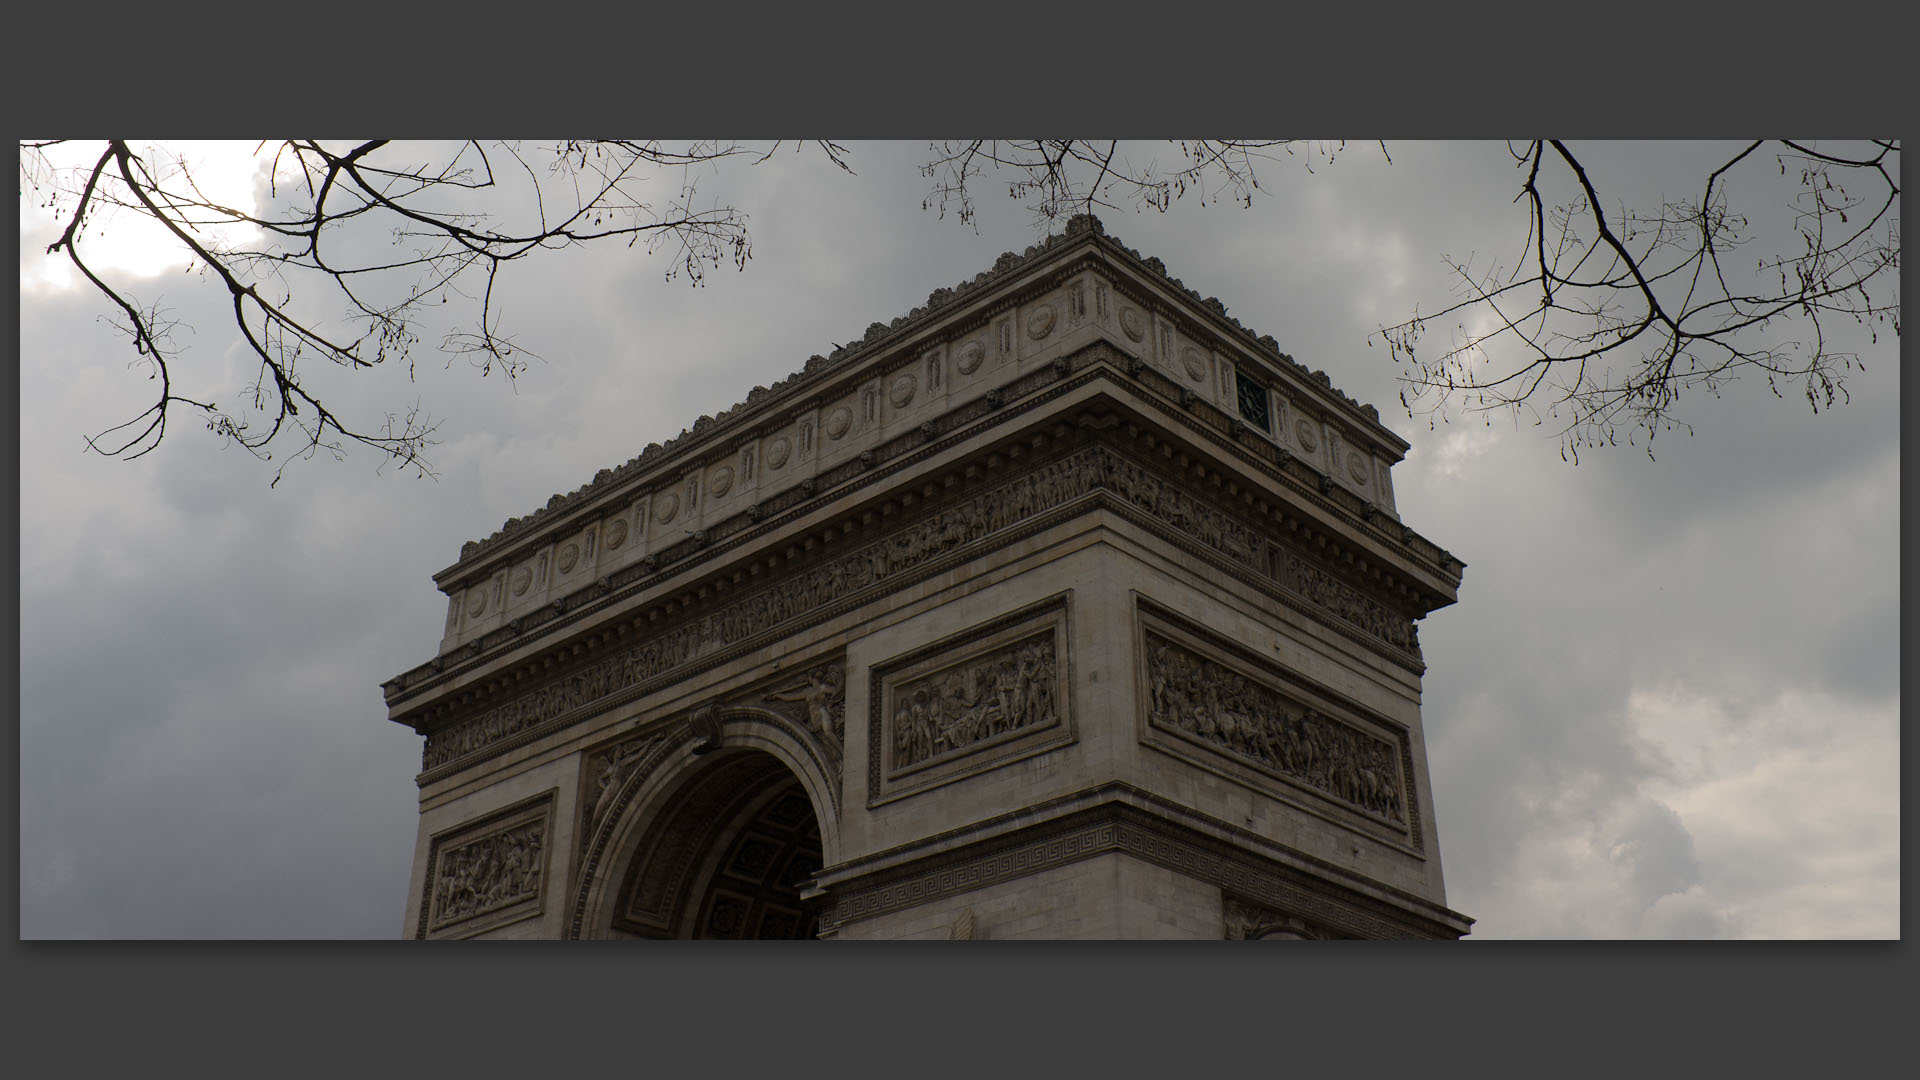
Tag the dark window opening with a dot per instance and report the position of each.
(1253, 403)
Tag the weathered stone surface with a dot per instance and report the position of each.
(1128, 650)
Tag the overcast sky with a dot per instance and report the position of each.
(1665, 706)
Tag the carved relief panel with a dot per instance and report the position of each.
(1209, 704)
(605, 776)
(969, 703)
(817, 699)
(488, 873)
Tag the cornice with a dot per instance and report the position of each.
(695, 626)
(1098, 362)
(1118, 817)
(948, 311)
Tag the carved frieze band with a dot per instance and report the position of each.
(1242, 717)
(489, 872)
(883, 564)
(1168, 501)
(969, 703)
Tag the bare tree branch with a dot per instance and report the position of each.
(1632, 310)
(292, 268)
(1058, 178)
(1605, 321)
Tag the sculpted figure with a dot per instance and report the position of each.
(903, 734)
(820, 690)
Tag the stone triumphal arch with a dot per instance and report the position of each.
(1062, 607)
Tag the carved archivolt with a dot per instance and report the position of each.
(938, 533)
(781, 712)
(1242, 717)
(1254, 922)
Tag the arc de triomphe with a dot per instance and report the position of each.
(1064, 607)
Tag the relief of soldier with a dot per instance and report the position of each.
(488, 873)
(1010, 689)
(1223, 707)
(824, 695)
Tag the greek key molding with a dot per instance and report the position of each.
(973, 701)
(489, 872)
(1118, 827)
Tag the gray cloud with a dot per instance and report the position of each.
(1665, 706)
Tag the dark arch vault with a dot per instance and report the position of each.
(728, 856)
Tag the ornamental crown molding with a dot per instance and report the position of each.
(1009, 275)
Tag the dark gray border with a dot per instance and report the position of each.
(1772, 1010)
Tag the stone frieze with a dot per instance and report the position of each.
(1242, 717)
(948, 712)
(488, 873)
(973, 702)
(937, 534)
(495, 868)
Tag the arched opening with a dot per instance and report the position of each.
(728, 855)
